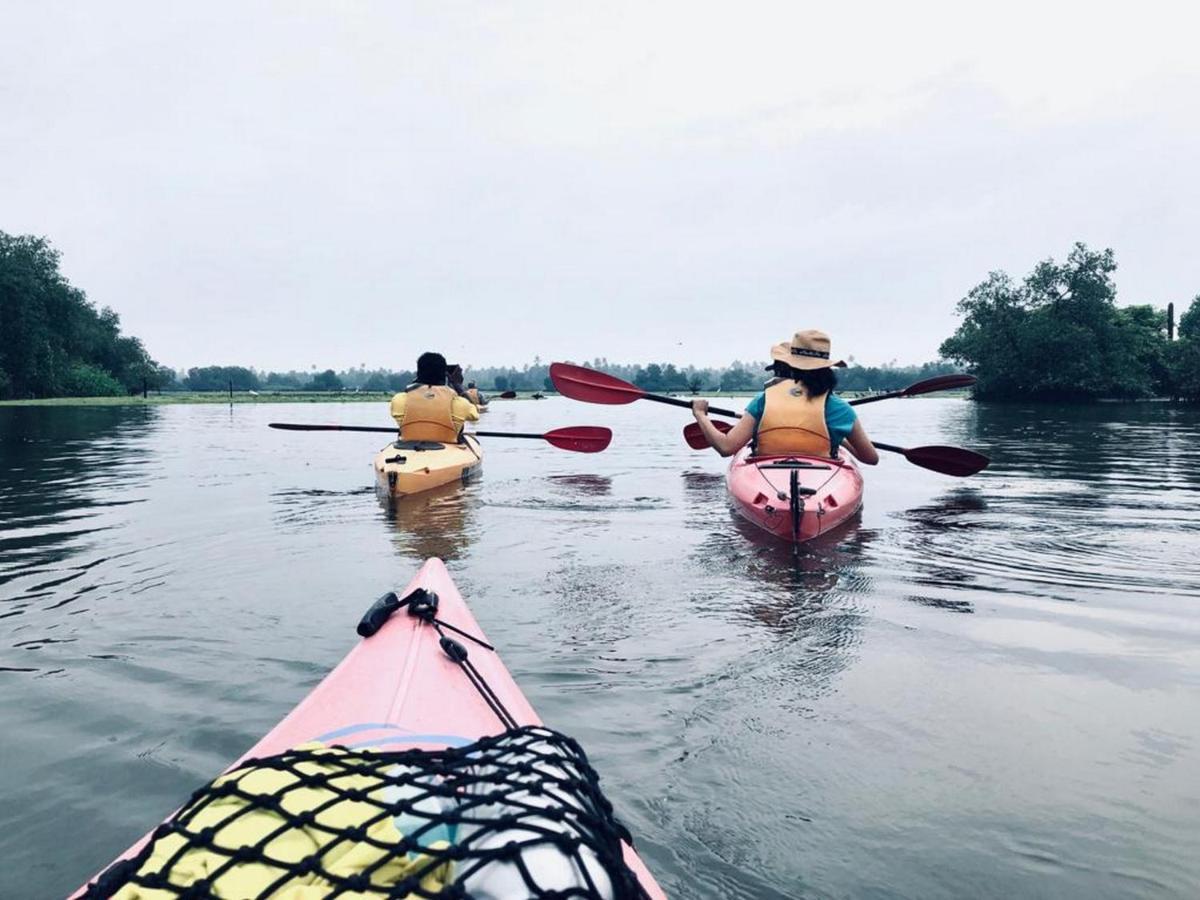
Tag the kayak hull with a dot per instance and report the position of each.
(397, 690)
(760, 489)
(402, 470)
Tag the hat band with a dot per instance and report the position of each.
(818, 354)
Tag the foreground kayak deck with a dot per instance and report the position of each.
(798, 497)
(398, 690)
(404, 468)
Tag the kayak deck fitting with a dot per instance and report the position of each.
(796, 497)
(417, 768)
(410, 467)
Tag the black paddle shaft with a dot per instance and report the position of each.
(687, 404)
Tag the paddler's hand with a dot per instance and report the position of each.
(700, 409)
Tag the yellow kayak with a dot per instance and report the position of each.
(403, 468)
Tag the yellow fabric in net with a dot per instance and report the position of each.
(237, 823)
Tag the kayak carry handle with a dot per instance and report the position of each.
(381, 610)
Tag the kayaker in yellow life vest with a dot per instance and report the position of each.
(454, 378)
(798, 412)
(475, 396)
(430, 410)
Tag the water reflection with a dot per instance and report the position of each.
(172, 580)
(67, 476)
(438, 522)
(581, 485)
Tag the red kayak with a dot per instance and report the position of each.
(418, 696)
(797, 497)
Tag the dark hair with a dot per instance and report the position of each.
(470, 384)
(431, 368)
(815, 381)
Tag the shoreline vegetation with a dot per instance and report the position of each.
(177, 398)
(1058, 335)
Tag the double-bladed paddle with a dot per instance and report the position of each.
(577, 438)
(948, 460)
(928, 386)
(590, 386)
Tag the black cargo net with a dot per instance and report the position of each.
(516, 815)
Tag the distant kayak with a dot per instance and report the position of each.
(416, 768)
(795, 498)
(403, 468)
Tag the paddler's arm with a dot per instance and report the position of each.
(465, 410)
(730, 442)
(397, 407)
(860, 445)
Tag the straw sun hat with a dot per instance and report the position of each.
(807, 350)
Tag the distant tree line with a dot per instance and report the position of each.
(660, 377)
(241, 378)
(656, 377)
(1059, 335)
(53, 340)
(1056, 335)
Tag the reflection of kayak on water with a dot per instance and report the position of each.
(432, 523)
(416, 768)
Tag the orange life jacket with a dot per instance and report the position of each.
(792, 422)
(428, 414)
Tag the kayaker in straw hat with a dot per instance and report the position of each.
(798, 412)
(428, 409)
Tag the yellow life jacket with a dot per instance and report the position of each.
(792, 422)
(473, 396)
(428, 414)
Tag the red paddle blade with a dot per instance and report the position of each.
(590, 386)
(695, 437)
(940, 383)
(947, 460)
(580, 438)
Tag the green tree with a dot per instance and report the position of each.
(376, 382)
(1058, 335)
(650, 378)
(673, 379)
(84, 380)
(737, 379)
(325, 381)
(50, 330)
(1183, 356)
(283, 381)
(219, 378)
(1189, 322)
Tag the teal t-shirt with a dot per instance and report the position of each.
(839, 417)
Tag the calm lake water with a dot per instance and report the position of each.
(987, 687)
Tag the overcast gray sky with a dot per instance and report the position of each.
(289, 184)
